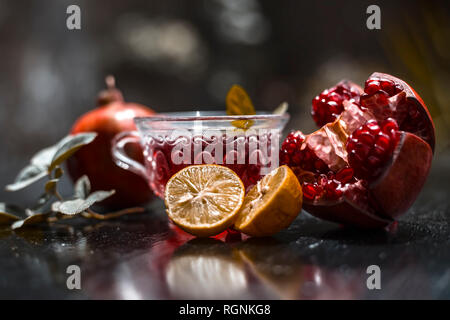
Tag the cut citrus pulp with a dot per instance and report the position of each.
(271, 205)
(204, 199)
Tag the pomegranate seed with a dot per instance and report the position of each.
(290, 148)
(373, 126)
(370, 147)
(372, 86)
(325, 187)
(362, 150)
(297, 157)
(292, 155)
(354, 157)
(378, 151)
(318, 189)
(374, 161)
(284, 157)
(366, 138)
(390, 127)
(323, 179)
(331, 186)
(388, 86)
(332, 189)
(344, 175)
(308, 191)
(334, 97)
(327, 106)
(375, 84)
(383, 140)
(351, 144)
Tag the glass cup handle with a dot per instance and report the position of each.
(121, 158)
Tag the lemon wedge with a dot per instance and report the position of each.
(271, 205)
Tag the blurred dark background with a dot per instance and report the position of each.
(184, 55)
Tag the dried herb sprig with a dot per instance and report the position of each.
(51, 206)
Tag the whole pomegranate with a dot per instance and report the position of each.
(112, 116)
(368, 162)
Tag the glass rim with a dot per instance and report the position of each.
(212, 116)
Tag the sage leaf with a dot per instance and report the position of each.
(36, 170)
(82, 187)
(27, 176)
(69, 146)
(71, 207)
(48, 159)
(44, 157)
(31, 220)
(55, 206)
(77, 206)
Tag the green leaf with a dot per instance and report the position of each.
(55, 206)
(71, 207)
(44, 157)
(50, 186)
(27, 176)
(82, 187)
(31, 220)
(36, 170)
(69, 146)
(76, 206)
(44, 161)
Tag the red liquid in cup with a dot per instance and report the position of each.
(246, 156)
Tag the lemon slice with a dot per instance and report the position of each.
(271, 205)
(204, 199)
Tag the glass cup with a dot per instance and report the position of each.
(173, 141)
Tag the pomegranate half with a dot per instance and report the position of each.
(368, 162)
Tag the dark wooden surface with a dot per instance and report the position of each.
(143, 256)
